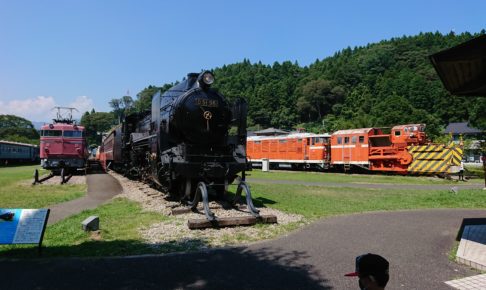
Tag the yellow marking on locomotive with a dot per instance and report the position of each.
(434, 159)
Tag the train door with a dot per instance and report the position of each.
(358, 155)
(361, 148)
(299, 149)
(347, 152)
(306, 144)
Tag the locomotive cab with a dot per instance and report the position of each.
(63, 145)
(411, 134)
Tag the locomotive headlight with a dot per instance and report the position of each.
(206, 79)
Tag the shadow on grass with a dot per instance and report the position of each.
(261, 201)
(100, 248)
(258, 201)
(233, 268)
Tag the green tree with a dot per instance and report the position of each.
(318, 98)
(122, 106)
(144, 97)
(18, 129)
(349, 86)
(478, 113)
(97, 123)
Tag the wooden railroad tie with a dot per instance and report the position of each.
(230, 221)
(184, 210)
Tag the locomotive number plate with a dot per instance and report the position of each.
(206, 103)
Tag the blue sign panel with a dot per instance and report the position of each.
(22, 226)
(8, 224)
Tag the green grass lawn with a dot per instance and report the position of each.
(120, 221)
(316, 202)
(476, 171)
(347, 178)
(16, 190)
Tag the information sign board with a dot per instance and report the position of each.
(22, 226)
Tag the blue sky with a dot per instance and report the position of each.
(84, 53)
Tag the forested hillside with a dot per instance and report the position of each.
(18, 129)
(382, 84)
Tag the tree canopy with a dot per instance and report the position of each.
(381, 84)
(18, 129)
(96, 123)
(378, 85)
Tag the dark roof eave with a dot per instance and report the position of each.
(462, 68)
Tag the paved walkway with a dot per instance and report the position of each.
(101, 188)
(477, 282)
(459, 185)
(416, 243)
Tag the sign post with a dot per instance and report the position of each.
(23, 226)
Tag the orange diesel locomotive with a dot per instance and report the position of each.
(300, 150)
(405, 150)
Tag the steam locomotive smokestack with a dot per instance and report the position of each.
(191, 79)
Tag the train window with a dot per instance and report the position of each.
(299, 140)
(406, 129)
(73, 134)
(282, 141)
(346, 140)
(257, 142)
(353, 139)
(397, 133)
(51, 133)
(361, 139)
(340, 140)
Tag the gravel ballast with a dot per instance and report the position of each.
(175, 230)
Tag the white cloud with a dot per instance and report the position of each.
(82, 104)
(41, 107)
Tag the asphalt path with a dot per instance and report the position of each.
(101, 188)
(459, 186)
(416, 243)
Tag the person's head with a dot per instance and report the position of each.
(372, 271)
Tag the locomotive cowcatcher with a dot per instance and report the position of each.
(183, 144)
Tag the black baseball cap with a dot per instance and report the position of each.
(371, 265)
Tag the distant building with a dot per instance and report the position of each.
(458, 129)
(472, 150)
(270, 132)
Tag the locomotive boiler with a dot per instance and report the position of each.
(191, 143)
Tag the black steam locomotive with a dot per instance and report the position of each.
(191, 143)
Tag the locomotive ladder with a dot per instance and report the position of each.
(211, 219)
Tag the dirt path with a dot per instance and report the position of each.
(101, 188)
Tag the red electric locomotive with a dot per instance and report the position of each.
(63, 147)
